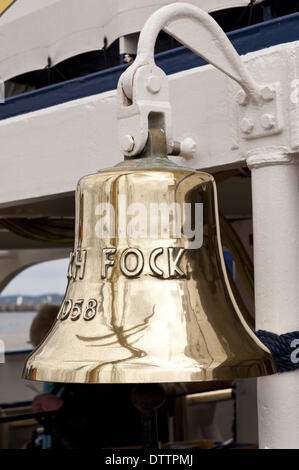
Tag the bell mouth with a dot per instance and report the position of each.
(74, 372)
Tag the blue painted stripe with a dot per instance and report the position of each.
(252, 38)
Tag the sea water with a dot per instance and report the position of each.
(16, 322)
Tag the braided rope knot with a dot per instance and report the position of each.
(284, 348)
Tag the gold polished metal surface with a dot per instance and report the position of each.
(140, 309)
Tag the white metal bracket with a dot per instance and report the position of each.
(143, 96)
(148, 106)
(264, 118)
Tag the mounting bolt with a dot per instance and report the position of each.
(127, 143)
(267, 93)
(128, 59)
(247, 125)
(268, 121)
(188, 148)
(153, 83)
(242, 98)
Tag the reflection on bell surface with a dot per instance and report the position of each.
(148, 298)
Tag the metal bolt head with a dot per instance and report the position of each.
(267, 93)
(268, 121)
(153, 84)
(188, 148)
(242, 98)
(127, 143)
(247, 125)
(128, 59)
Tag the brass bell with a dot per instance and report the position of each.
(148, 298)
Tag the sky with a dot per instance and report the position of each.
(44, 278)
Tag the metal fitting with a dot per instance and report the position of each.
(153, 84)
(186, 148)
(268, 121)
(242, 98)
(127, 143)
(267, 93)
(247, 125)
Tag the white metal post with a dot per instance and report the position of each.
(275, 196)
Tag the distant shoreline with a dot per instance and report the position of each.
(22, 308)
